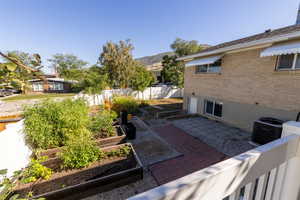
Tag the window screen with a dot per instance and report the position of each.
(209, 107)
(286, 61)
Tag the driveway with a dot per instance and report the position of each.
(226, 139)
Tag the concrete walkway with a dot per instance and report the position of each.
(226, 139)
(196, 155)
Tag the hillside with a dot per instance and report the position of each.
(149, 60)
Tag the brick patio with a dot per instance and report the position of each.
(196, 155)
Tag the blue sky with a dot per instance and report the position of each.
(81, 27)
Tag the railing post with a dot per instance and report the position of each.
(291, 179)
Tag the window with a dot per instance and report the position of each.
(56, 86)
(213, 108)
(210, 68)
(288, 62)
(37, 86)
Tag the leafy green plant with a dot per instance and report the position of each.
(101, 124)
(121, 152)
(125, 103)
(36, 171)
(50, 124)
(79, 153)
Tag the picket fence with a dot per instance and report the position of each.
(149, 93)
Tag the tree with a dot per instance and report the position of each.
(93, 81)
(173, 70)
(68, 66)
(117, 60)
(19, 68)
(141, 79)
(183, 47)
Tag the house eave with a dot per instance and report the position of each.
(271, 40)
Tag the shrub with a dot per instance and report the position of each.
(35, 171)
(101, 124)
(125, 103)
(49, 124)
(79, 152)
(121, 152)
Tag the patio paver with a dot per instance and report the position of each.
(196, 155)
(226, 139)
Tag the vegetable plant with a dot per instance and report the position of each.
(50, 123)
(101, 124)
(36, 171)
(125, 103)
(79, 153)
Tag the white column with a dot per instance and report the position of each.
(291, 180)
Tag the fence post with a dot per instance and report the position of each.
(291, 179)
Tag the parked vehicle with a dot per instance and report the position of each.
(5, 92)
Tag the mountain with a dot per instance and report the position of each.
(150, 60)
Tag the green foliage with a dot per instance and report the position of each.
(93, 81)
(101, 124)
(121, 152)
(141, 79)
(127, 103)
(79, 152)
(36, 171)
(118, 62)
(173, 71)
(17, 76)
(68, 66)
(50, 124)
(183, 47)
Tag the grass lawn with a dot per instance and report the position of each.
(37, 96)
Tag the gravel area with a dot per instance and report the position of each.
(16, 107)
(226, 139)
(127, 191)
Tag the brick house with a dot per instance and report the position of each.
(240, 81)
(53, 84)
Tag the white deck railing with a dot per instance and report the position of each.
(264, 173)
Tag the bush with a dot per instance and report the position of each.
(36, 171)
(50, 124)
(79, 152)
(125, 103)
(101, 124)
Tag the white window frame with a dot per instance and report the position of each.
(289, 69)
(37, 87)
(213, 110)
(207, 71)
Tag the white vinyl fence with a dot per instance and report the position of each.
(150, 93)
(269, 172)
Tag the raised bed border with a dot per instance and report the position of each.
(98, 185)
(101, 142)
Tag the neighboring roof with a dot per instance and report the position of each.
(157, 58)
(258, 37)
(56, 80)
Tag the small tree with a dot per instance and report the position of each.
(117, 60)
(93, 81)
(141, 79)
(173, 71)
(68, 66)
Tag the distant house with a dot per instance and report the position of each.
(51, 84)
(240, 81)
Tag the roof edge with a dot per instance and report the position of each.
(273, 39)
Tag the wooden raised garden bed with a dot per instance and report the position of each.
(101, 142)
(101, 176)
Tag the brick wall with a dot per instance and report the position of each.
(248, 78)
